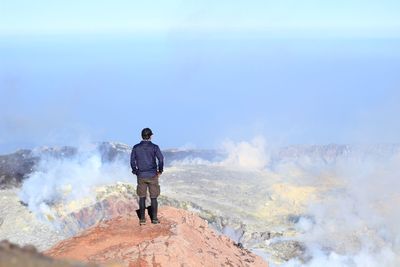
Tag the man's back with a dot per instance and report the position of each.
(143, 159)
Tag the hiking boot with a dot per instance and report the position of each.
(142, 221)
(155, 221)
(154, 209)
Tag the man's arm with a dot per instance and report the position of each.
(160, 159)
(133, 161)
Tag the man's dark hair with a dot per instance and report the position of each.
(146, 133)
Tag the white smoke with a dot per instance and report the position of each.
(356, 222)
(243, 155)
(247, 155)
(365, 258)
(61, 181)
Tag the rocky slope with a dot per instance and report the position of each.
(12, 255)
(181, 239)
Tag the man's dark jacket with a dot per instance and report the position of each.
(143, 159)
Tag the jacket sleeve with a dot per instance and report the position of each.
(160, 159)
(133, 161)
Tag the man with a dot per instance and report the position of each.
(144, 166)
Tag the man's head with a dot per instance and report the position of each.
(146, 133)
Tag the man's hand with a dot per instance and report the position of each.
(158, 174)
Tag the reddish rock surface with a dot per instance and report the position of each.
(12, 255)
(181, 239)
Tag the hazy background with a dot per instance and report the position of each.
(198, 73)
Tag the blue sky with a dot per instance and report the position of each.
(198, 72)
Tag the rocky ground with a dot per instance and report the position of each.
(181, 239)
